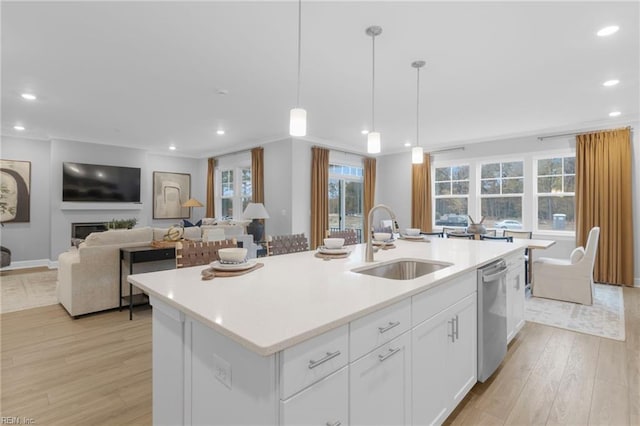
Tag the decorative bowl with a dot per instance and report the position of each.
(333, 243)
(412, 232)
(381, 236)
(236, 255)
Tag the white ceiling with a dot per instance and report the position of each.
(145, 74)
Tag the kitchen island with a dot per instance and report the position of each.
(303, 339)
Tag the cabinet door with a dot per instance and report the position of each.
(515, 300)
(462, 360)
(380, 385)
(324, 403)
(430, 341)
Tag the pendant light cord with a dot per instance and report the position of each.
(299, 49)
(373, 84)
(418, 109)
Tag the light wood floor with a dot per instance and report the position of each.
(97, 370)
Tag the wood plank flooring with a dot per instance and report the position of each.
(97, 370)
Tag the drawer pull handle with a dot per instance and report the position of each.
(330, 355)
(453, 329)
(389, 354)
(389, 327)
(336, 423)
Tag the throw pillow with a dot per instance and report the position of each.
(186, 223)
(576, 255)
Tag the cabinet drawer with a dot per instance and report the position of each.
(310, 361)
(379, 327)
(324, 403)
(514, 260)
(430, 302)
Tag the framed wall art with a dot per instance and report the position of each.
(15, 191)
(170, 192)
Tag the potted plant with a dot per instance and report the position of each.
(121, 223)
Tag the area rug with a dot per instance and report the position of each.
(605, 318)
(29, 290)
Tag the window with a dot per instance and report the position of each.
(346, 191)
(451, 195)
(235, 194)
(501, 190)
(555, 188)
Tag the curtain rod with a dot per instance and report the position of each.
(541, 138)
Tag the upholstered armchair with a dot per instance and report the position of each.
(570, 279)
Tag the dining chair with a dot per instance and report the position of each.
(490, 233)
(493, 238)
(522, 235)
(194, 253)
(349, 235)
(460, 235)
(570, 279)
(283, 244)
(434, 233)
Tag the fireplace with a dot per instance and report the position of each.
(80, 230)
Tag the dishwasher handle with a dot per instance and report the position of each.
(492, 277)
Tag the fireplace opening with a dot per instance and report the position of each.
(80, 231)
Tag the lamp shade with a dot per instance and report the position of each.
(255, 211)
(192, 202)
(298, 122)
(373, 142)
(417, 155)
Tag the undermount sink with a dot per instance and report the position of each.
(402, 269)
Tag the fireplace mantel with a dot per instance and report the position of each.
(65, 205)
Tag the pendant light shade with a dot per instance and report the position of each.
(373, 139)
(298, 116)
(298, 122)
(417, 154)
(373, 143)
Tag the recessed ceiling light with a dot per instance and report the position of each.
(614, 113)
(364, 132)
(29, 96)
(172, 148)
(607, 31)
(610, 83)
(220, 132)
(407, 144)
(18, 127)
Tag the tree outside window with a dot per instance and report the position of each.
(501, 190)
(556, 180)
(451, 193)
(346, 191)
(235, 194)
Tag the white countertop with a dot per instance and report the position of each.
(298, 296)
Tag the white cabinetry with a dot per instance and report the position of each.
(380, 385)
(515, 295)
(444, 348)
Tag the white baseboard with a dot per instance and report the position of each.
(23, 264)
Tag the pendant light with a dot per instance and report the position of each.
(417, 154)
(298, 116)
(373, 138)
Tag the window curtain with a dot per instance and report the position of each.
(421, 195)
(211, 167)
(603, 198)
(319, 195)
(369, 193)
(257, 175)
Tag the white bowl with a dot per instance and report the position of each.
(412, 232)
(233, 254)
(333, 243)
(381, 236)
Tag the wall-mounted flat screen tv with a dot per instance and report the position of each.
(94, 182)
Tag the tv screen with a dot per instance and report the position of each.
(94, 182)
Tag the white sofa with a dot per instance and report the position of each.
(88, 276)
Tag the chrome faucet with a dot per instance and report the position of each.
(369, 255)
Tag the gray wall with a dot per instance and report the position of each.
(278, 186)
(29, 242)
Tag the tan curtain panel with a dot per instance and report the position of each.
(211, 167)
(421, 195)
(603, 198)
(319, 195)
(369, 193)
(257, 175)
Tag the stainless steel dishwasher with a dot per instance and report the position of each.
(492, 318)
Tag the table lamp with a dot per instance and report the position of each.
(256, 211)
(192, 202)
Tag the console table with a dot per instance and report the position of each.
(133, 255)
